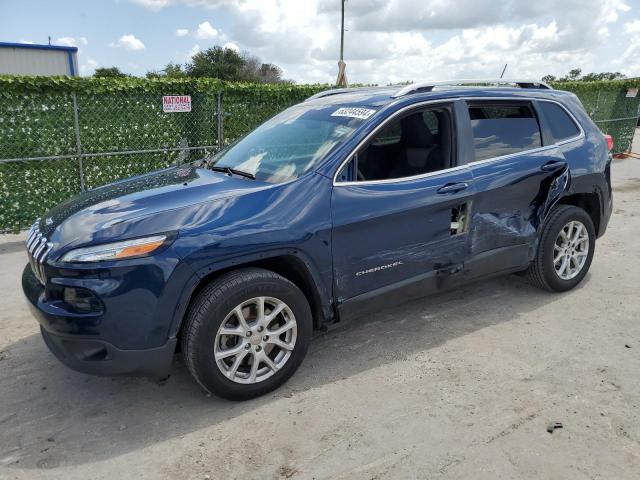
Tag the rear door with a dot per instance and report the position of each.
(516, 176)
(397, 210)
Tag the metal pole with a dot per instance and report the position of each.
(636, 130)
(76, 122)
(504, 70)
(342, 34)
(220, 123)
(595, 110)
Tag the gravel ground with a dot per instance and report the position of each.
(461, 385)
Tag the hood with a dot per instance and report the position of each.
(102, 212)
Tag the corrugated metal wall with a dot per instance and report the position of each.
(31, 61)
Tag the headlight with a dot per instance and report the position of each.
(139, 247)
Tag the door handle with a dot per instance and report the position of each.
(453, 187)
(553, 166)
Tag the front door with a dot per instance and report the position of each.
(399, 210)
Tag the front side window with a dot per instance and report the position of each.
(503, 129)
(292, 142)
(417, 143)
(559, 122)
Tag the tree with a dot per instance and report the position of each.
(575, 75)
(109, 72)
(258, 72)
(590, 77)
(217, 62)
(225, 64)
(171, 70)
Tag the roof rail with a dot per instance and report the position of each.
(337, 91)
(428, 86)
(332, 91)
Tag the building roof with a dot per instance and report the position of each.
(38, 47)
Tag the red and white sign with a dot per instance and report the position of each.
(176, 103)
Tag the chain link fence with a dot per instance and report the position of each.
(614, 106)
(55, 146)
(59, 137)
(56, 142)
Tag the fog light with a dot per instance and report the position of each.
(81, 300)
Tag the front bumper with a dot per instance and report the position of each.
(97, 357)
(130, 330)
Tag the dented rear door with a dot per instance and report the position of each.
(514, 189)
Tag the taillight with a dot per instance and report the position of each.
(609, 140)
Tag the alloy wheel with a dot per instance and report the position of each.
(570, 250)
(255, 340)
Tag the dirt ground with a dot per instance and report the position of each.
(456, 386)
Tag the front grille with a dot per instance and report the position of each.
(37, 248)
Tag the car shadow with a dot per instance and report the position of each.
(12, 247)
(51, 416)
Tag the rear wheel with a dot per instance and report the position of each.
(565, 250)
(246, 333)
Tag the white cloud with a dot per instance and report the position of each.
(182, 32)
(232, 46)
(629, 61)
(632, 28)
(89, 67)
(128, 42)
(153, 4)
(159, 4)
(28, 42)
(195, 49)
(395, 40)
(206, 31)
(72, 41)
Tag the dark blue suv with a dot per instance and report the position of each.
(337, 206)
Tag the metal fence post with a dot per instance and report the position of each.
(76, 122)
(597, 105)
(220, 122)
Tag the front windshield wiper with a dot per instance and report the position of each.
(232, 171)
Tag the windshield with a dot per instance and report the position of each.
(292, 142)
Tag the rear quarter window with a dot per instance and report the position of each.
(560, 124)
(503, 129)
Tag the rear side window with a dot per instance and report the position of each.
(503, 129)
(560, 124)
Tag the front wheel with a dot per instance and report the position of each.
(565, 250)
(246, 333)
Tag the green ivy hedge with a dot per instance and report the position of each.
(607, 104)
(115, 115)
(124, 114)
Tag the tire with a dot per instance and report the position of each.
(221, 302)
(547, 274)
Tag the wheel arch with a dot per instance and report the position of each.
(589, 202)
(290, 263)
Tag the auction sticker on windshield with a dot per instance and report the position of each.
(353, 112)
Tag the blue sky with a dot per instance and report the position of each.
(387, 40)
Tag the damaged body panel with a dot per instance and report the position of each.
(512, 180)
(513, 197)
